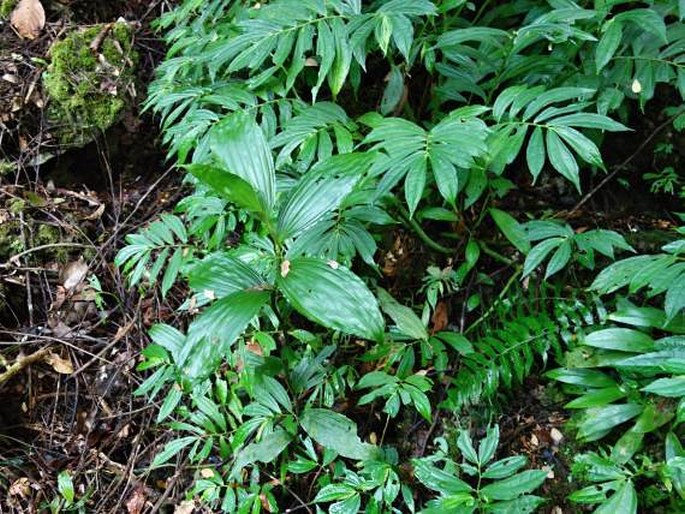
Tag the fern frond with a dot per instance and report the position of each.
(510, 348)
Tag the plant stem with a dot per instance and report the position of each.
(500, 297)
(421, 234)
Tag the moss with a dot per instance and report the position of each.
(88, 90)
(6, 7)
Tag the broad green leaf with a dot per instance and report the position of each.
(535, 153)
(583, 146)
(221, 274)
(591, 121)
(621, 339)
(171, 449)
(505, 467)
(216, 329)
(511, 229)
(332, 296)
(559, 259)
(488, 446)
(562, 159)
(466, 447)
(598, 422)
(597, 398)
(170, 402)
(349, 506)
(582, 377)
(623, 501)
(538, 254)
(439, 480)
(239, 146)
(229, 186)
(619, 274)
(668, 387)
(608, 44)
(334, 492)
(336, 432)
(394, 90)
(313, 198)
(524, 505)
(514, 486)
(266, 450)
(65, 486)
(168, 337)
(414, 184)
(675, 297)
(406, 320)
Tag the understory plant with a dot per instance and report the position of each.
(312, 132)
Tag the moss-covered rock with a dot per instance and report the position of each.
(90, 81)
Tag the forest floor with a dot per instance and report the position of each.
(71, 332)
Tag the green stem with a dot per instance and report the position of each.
(421, 234)
(495, 255)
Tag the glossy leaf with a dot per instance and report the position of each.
(331, 295)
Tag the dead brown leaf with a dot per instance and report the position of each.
(20, 487)
(440, 318)
(186, 507)
(60, 365)
(136, 503)
(73, 274)
(28, 18)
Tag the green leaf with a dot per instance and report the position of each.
(349, 506)
(675, 297)
(334, 492)
(512, 487)
(266, 450)
(313, 198)
(170, 402)
(488, 445)
(438, 479)
(559, 259)
(591, 121)
(229, 186)
(414, 184)
(535, 153)
(562, 159)
(607, 46)
(597, 398)
(216, 329)
(582, 377)
(582, 145)
(505, 467)
(331, 295)
(623, 501)
(524, 505)
(511, 229)
(621, 339)
(598, 422)
(406, 320)
(466, 447)
(221, 274)
(239, 146)
(336, 432)
(65, 486)
(538, 254)
(668, 387)
(171, 449)
(394, 90)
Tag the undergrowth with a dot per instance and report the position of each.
(310, 130)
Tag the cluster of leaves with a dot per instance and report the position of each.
(299, 126)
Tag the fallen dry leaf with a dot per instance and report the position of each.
(186, 507)
(73, 274)
(60, 365)
(440, 318)
(136, 502)
(28, 18)
(20, 487)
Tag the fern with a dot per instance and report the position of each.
(510, 346)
